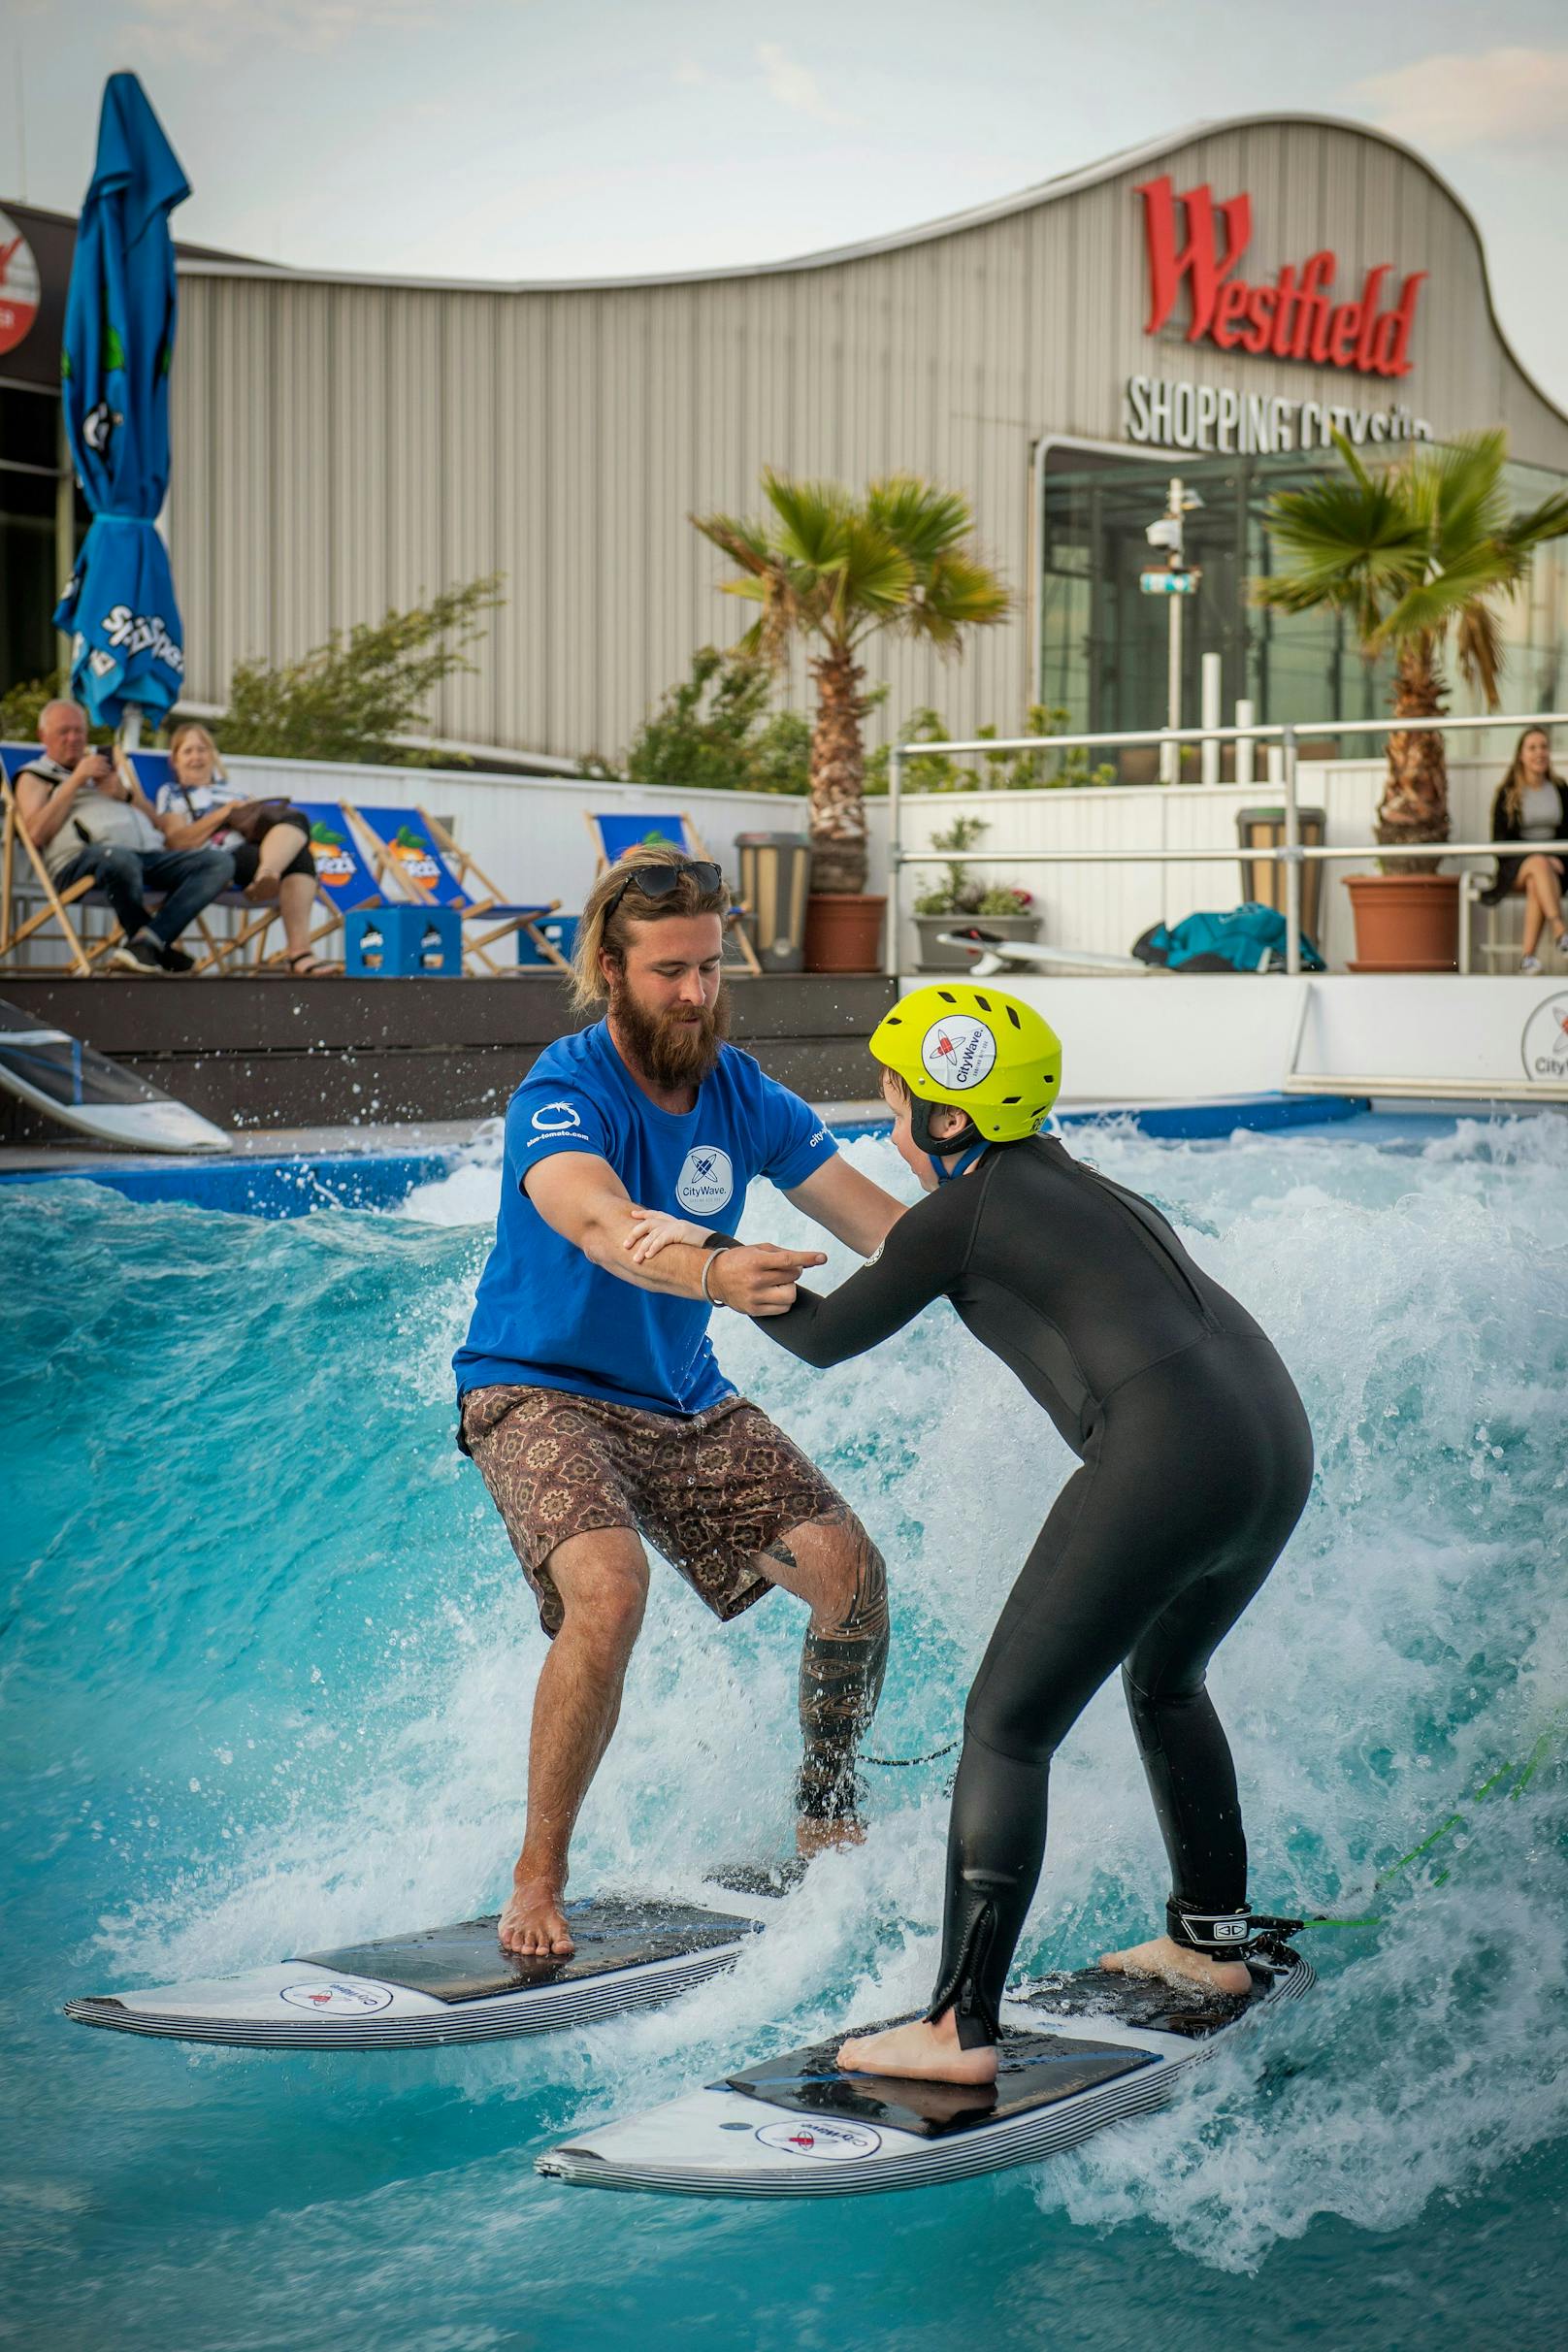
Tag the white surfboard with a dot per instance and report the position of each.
(54, 1073)
(992, 955)
(1079, 2053)
(440, 1984)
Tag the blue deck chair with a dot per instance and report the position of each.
(29, 900)
(344, 879)
(344, 882)
(417, 855)
(614, 833)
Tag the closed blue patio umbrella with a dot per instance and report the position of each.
(127, 642)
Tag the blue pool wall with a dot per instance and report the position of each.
(378, 1180)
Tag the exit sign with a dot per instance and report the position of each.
(1169, 582)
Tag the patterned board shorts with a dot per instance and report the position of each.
(709, 1490)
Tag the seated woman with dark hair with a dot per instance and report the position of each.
(269, 841)
(1531, 804)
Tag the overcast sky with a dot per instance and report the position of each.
(517, 138)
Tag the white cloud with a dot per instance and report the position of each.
(1501, 97)
(795, 87)
(690, 73)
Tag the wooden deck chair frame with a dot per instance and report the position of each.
(57, 903)
(736, 933)
(464, 865)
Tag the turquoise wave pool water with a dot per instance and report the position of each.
(267, 1673)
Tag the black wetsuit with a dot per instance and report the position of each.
(1196, 1461)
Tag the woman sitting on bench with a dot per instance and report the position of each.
(1531, 804)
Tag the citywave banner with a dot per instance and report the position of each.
(118, 608)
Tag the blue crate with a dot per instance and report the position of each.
(560, 930)
(404, 943)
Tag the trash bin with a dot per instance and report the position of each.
(1262, 880)
(776, 876)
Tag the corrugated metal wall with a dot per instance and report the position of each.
(341, 447)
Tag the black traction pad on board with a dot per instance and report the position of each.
(1144, 2001)
(465, 1962)
(759, 1877)
(1034, 2070)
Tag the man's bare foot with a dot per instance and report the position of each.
(922, 2052)
(532, 1924)
(813, 1838)
(1178, 1964)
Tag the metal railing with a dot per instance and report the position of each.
(1291, 854)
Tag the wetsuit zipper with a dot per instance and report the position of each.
(1152, 1240)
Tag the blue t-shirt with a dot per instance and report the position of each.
(545, 1316)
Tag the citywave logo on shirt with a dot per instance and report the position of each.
(958, 1052)
(707, 1182)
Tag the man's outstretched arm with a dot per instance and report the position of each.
(579, 1195)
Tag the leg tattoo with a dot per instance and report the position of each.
(841, 1670)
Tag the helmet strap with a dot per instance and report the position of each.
(945, 1174)
(968, 1142)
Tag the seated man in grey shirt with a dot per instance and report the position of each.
(87, 816)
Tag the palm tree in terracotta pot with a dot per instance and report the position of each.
(1421, 555)
(834, 571)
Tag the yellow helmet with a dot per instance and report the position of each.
(978, 1049)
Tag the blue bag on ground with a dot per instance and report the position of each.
(1251, 939)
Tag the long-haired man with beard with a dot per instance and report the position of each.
(588, 1391)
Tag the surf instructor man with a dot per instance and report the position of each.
(589, 1394)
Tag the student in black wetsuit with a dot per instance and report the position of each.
(1196, 1459)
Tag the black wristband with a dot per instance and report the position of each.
(720, 1241)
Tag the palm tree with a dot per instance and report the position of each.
(833, 570)
(1419, 555)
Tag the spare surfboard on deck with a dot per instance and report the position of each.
(440, 1983)
(1078, 2052)
(55, 1074)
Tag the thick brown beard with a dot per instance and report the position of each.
(663, 1048)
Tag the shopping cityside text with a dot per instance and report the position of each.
(1169, 413)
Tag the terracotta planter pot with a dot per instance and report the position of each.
(1405, 923)
(843, 934)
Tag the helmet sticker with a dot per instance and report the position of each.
(958, 1052)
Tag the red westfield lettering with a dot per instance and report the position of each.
(1294, 318)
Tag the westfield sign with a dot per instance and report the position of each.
(1195, 239)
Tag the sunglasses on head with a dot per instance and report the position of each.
(662, 881)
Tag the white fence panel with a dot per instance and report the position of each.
(528, 834)
(1105, 907)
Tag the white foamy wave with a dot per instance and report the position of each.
(470, 1193)
(1408, 1645)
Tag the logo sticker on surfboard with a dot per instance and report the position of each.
(819, 2138)
(335, 2000)
(958, 1052)
(707, 1182)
